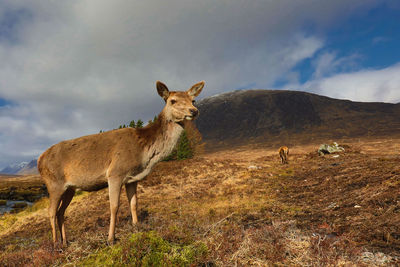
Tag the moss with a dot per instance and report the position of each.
(79, 192)
(6, 221)
(38, 205)
(148, 249)
(288, 172)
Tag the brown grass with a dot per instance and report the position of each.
(313, 211)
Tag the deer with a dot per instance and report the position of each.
(283, 154)
(114, 159)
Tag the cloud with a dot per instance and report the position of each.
(367, 85)
(380, 39)
(71, 68)
(328, 63)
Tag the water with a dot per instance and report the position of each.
(10, 205)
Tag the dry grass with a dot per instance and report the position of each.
(304, 213)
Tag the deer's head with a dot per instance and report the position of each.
(179, 104)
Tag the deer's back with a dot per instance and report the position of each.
(84, 162)
(283, 150)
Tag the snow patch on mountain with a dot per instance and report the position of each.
(21, 168)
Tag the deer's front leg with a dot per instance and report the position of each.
(131, 192)
(114, 190)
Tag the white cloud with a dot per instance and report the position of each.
(380, 39)
(75, 67)
(371, 85)
(328, 63)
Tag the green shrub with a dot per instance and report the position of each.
(184, 150)
(148, 249)
(188, 145)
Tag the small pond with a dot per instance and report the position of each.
(11, 205)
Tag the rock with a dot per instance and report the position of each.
(252, 167)
(377, 259)
(328, 149)
(333, 205)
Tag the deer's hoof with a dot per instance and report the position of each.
(111, 242)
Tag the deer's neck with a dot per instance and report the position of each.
(161, 138)
(157, 141)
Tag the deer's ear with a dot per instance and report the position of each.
(162, 90)
(196, 89)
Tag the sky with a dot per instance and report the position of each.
(72, 68)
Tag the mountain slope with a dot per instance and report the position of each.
(21, 168)
(30, 168)
(13, 168)
(258, 114)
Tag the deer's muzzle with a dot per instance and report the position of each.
(194, 112)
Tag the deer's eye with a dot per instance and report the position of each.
(173, 101)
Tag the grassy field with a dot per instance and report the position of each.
(234, 207)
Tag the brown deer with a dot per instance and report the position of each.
(114, 158)
(284, 153)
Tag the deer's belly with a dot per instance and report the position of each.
(88, 183)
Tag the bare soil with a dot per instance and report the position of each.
(247, 207)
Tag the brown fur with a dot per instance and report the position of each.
(283, 154)
(114, 158)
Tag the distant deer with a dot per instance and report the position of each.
(114, 158)
(284, 153)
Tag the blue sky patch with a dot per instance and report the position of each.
(4, 102)
(371, 39)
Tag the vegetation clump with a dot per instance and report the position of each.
(189, 144)
(148, 249)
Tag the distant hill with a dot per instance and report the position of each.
(21, 168)
(13, 168)
(258, 115)
(30, 168)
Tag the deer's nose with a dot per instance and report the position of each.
(194, 112)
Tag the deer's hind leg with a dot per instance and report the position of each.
(65, 200)
(55, 195)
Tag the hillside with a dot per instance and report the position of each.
(234, 207)
(259, 115)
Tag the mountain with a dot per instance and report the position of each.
(14, 168)
(21, 168)
(259, 115)
(30, 168)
